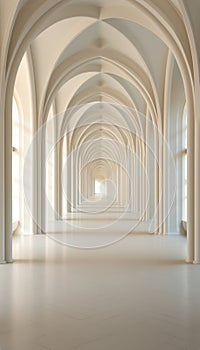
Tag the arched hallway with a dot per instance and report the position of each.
(99, 148)
(90, 101)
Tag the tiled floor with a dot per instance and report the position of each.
(137, 294)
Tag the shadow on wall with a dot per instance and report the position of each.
(183, 228)
(16, 227)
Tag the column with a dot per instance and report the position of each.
(2, 193)
(197, 193)
(190, 182)
(8, 183)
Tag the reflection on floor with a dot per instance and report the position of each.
(136, 294)
(88, 233)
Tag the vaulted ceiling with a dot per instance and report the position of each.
(94, 50)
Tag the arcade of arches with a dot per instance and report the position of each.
(99, 109)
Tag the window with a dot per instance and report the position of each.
(15, 163)
(21, 140)
(100, 188)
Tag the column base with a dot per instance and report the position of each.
(189, 261)
(196, 262)
(6, 262)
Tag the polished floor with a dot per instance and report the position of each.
(137, 294)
